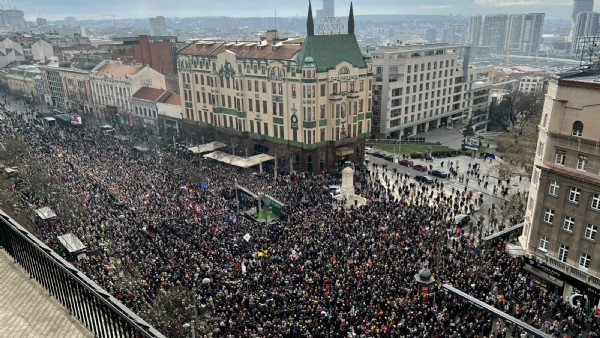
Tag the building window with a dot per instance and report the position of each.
(549, 216)
(574, 195)
(553, 190)
(577, 128)
(563, 252)
(569, 223)
(584, 261)
(590, 232)
(560, 157)
(582, 162)
(544, 243)
(540, 148)
(596, 202)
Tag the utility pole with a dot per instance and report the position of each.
(237, 197)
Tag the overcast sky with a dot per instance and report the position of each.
(94, 9)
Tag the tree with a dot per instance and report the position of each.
(13, 152)
(511, 211)
(468, 131)
(514, 110)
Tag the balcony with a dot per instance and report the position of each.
(335, 97)
(573, 271)
(353, 95)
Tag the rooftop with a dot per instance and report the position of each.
(118, 70)
(249, 50)
(149, 94)
(171, 98)
(327, 51)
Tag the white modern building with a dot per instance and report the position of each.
(531, 84)
(425, 86)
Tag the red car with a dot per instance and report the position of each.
(420, 167)
(406, 163)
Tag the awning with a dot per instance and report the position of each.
(71, 243)
(142, 149)
(45, 213)
(207, 148)
(503, 232)
(239, 161)
(514, 250)
(50, 119)
(344, 151)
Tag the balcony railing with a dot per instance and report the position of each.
(93, 306)
(573, 271)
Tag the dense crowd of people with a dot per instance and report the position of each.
(324, 271)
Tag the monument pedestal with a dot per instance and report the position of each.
(348, 194)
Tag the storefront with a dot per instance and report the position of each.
(555, 280)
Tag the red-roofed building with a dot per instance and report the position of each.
(113, 86)
(153, 106)
(307, 103)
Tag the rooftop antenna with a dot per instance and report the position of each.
(275, 18)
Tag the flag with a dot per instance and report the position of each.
(247, 237)
(243, 268)
(204, 185)
(233, 218)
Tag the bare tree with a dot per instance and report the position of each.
(514, 110)
(13, 152)
(171, 309)
(511, 211)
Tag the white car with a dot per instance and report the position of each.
(335, 190)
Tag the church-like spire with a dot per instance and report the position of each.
(351, 20)
(310, 24)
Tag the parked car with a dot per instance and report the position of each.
(420, 167)
(438, 173)
(406, 163)
(425, 179)
(462, 220)
(389, 157)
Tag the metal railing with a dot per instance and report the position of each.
(93, 306)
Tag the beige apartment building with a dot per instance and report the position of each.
(560, 233)
(307, 103)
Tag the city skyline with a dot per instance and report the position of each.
(59, 9)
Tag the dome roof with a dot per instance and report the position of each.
(425, 274)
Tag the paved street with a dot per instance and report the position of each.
(517, 185)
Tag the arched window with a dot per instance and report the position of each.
(344, 71)
(545, 124)
(577, 128)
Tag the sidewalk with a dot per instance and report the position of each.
(517, 184)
